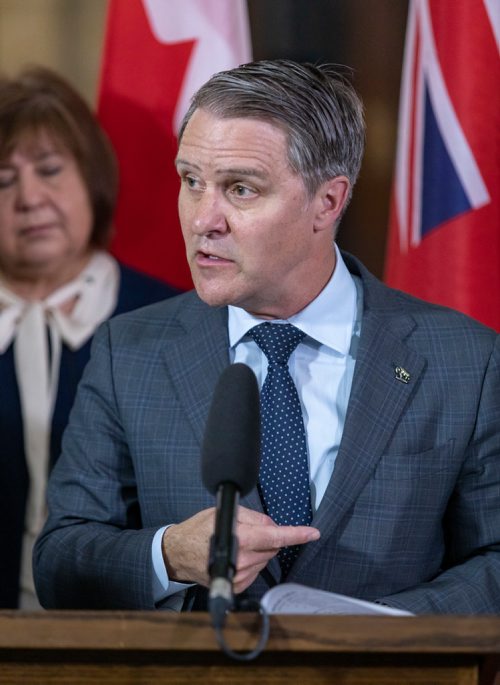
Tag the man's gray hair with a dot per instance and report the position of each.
(315, 105)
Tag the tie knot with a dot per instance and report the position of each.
(277, 341)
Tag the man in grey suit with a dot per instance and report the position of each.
(400, 399)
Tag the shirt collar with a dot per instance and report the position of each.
(328, 319)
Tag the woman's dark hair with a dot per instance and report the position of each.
(39, 100)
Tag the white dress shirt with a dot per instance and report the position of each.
(322, 367)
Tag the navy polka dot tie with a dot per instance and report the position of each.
(284, 471)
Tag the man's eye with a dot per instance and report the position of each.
(190, 181)
(241, 190)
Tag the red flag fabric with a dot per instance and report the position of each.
(156, 54)
(444, 234)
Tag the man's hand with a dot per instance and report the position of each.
(260, 539)
(185, 546)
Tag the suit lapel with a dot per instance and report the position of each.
(195, 358)
(379, 396)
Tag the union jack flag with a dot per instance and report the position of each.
(444, 235)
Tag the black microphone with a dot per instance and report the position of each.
(230, 460)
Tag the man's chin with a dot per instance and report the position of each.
(214, 298)
(214, 291)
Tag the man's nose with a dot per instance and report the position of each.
(29, 191)
(209, 216)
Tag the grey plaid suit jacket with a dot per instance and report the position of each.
(411, 516)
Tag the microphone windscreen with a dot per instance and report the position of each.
(231, 444)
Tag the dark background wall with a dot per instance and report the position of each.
(368, 36)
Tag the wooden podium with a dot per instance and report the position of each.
(128, 648)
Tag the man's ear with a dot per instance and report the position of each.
(331, 199)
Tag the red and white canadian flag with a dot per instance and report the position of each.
(156, 54)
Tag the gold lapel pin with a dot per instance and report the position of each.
(402, 374)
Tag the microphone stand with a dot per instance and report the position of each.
(222, 566)
(223, 553)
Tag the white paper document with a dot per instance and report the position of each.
(292, 598)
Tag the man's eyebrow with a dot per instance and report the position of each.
(184, 162)
(229, 171)
(242, 171)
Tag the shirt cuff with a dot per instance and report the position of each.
(163, 587)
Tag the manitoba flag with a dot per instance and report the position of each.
(444, 234)
(156, 54)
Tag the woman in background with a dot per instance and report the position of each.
(58, 187)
